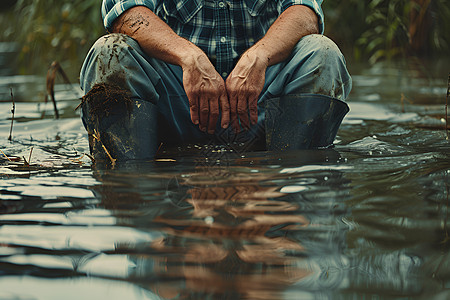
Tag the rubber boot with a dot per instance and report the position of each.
(119, 128)
(304, 121)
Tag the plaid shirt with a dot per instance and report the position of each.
(223, 29)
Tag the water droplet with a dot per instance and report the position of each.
(209, 220)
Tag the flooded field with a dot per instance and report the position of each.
(365, 220)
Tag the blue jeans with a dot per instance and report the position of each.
(315, 66)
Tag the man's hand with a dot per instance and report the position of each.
(246, 81)
(205, 90)
(244, 85)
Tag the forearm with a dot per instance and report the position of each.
(294, 23)
(155, 37)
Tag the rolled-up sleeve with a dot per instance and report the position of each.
(315, 5)
(112, 9)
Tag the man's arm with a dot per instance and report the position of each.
(246, 81)
(204, 87)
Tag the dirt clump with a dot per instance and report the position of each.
(105, 99)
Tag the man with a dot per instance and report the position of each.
(177, 71)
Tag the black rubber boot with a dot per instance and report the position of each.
(119, 128)
(304, 121)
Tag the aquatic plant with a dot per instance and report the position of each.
(49, 30)
(384, 29)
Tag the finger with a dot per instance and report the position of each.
(193, 109)
(213, 115)
(225, 108)
(234, 121)
(204, 113)
(242, 110)
(253, 110)
(235, 125)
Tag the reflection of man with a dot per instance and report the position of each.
(238, 231)
(194, 68)
(228, 244)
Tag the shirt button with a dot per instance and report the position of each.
(221, 4)
(224, 74)
(223, 39)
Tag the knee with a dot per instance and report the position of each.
(113, 40)
(324, 66)
(318, 42)
(107, 61)
(112, 47)
(321, 51)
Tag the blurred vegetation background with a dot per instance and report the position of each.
(369, 30)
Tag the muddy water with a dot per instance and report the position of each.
(365, 220)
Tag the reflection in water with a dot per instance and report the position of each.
(263, 227)
(236, 231)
